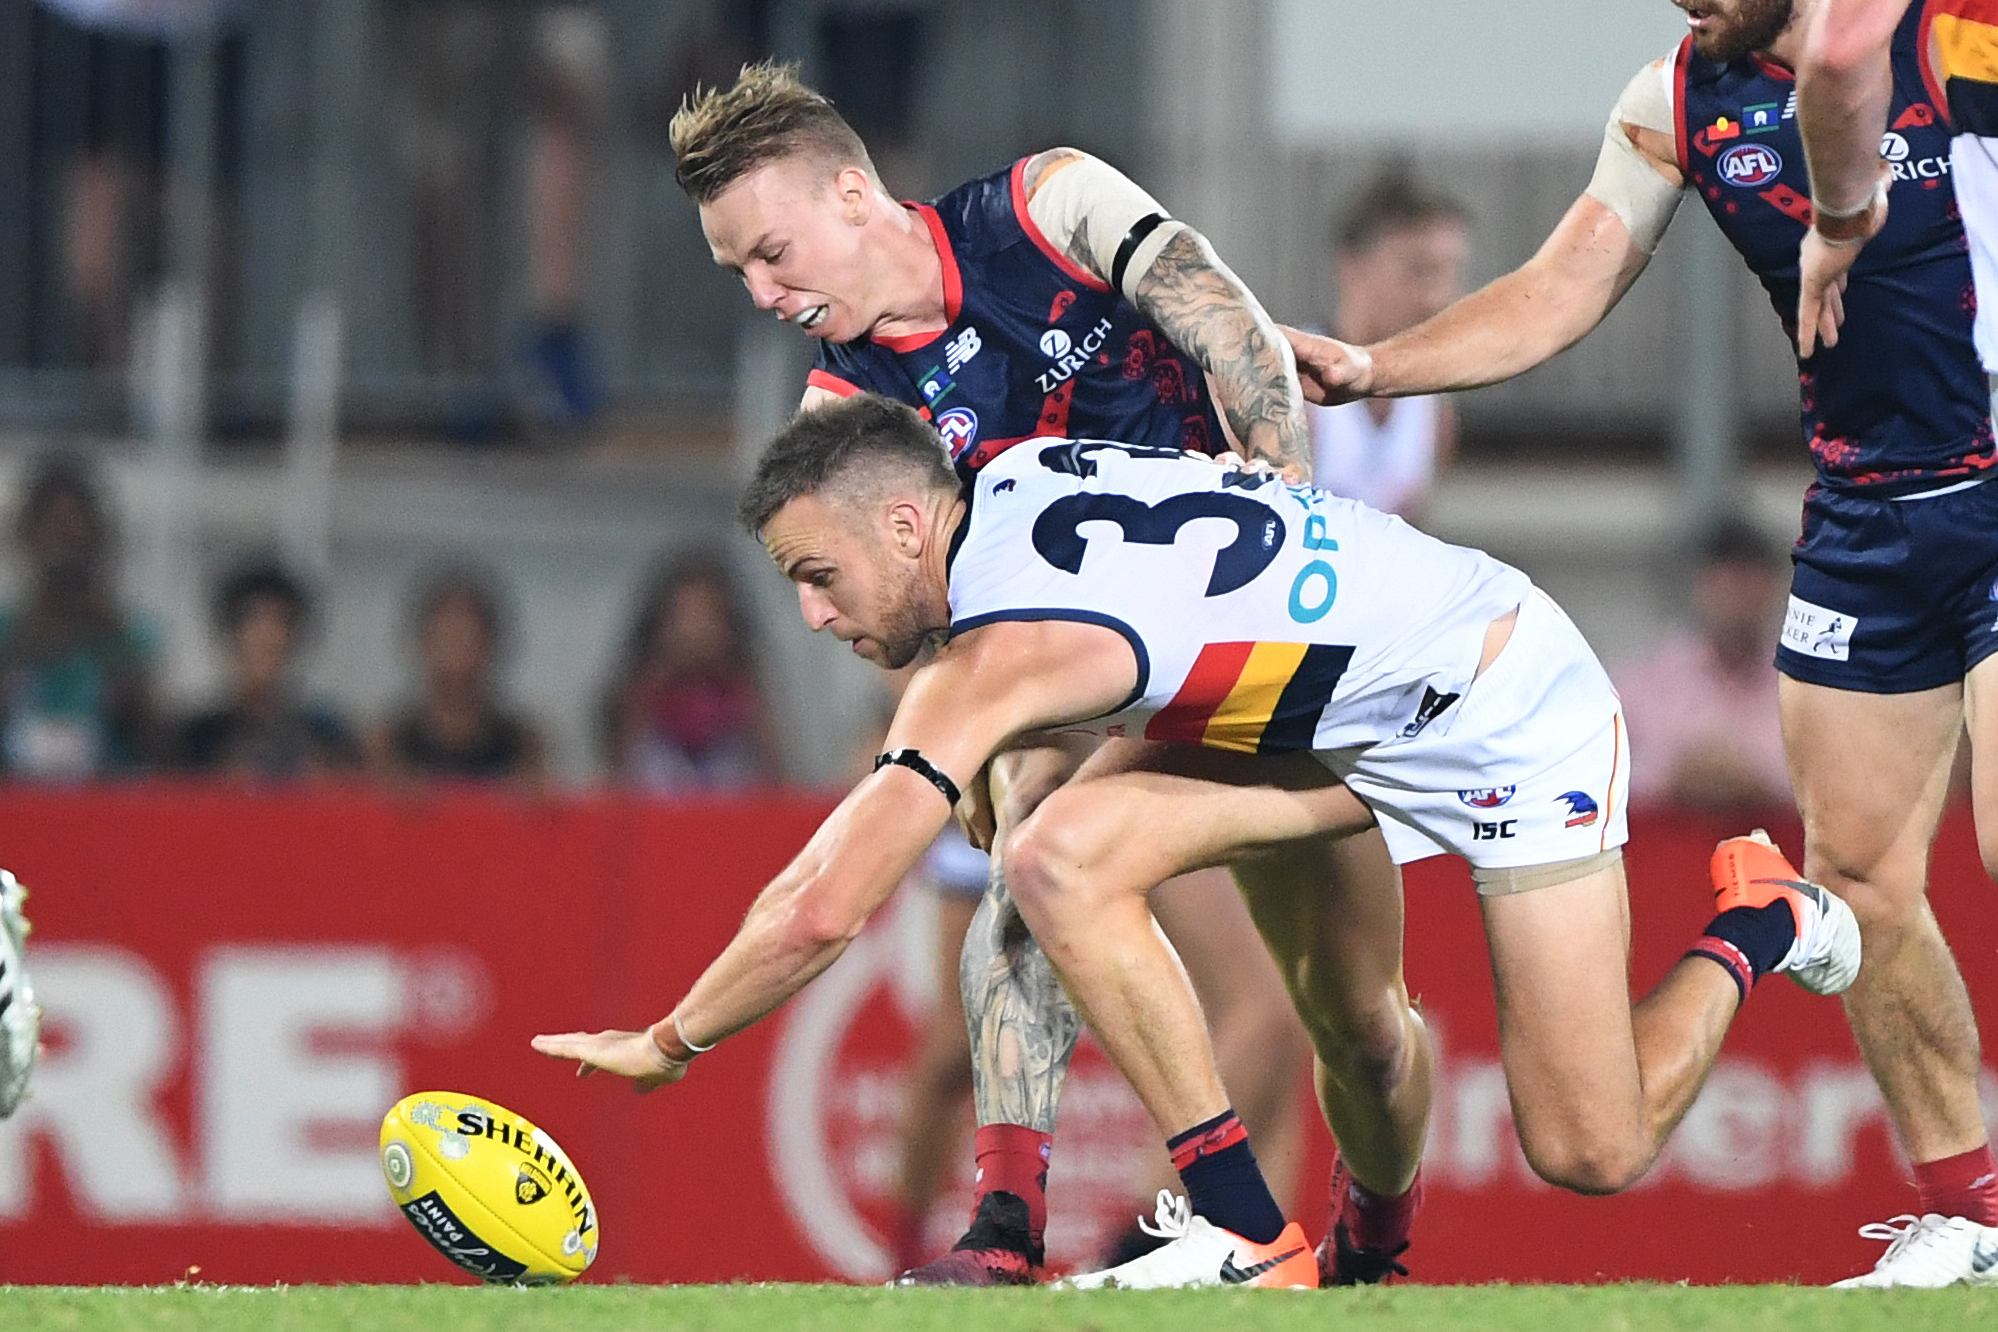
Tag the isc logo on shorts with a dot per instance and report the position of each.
(1818, 632)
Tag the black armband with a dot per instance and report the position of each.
(1133, 238)
(913, 760)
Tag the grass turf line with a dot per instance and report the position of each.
(1624, 1308)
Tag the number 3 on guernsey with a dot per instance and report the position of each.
(1307, 605)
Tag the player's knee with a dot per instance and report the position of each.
(1364, 1046)
(1042, 860)
(1885, 899)
(1584, 1163)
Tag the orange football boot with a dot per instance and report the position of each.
(1752, 872)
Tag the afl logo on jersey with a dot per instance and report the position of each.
(959, 428)
(1750, 164)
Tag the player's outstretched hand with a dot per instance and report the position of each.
(629, 1054)
(1330, 371)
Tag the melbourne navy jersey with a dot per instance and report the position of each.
(1265, 617)
(1036, 344)
(1901, 403)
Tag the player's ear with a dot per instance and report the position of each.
(855, 193)
(906, 527)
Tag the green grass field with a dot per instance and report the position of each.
(847, 1309)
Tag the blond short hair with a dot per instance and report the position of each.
(720, 136)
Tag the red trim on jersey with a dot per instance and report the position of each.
(831, 383)
(953, 284)
(1938, 95)
(1772, 69)
(1679, 103)
(1214, 674)
(1034, 234)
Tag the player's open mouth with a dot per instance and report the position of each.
(810, 319)
(1698, 19)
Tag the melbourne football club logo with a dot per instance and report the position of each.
(1582, 809)
(1487, 797)
(959, 428)
(1750, 164)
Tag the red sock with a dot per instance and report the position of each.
(1373, 1220)
(1014, 1159)
(1965, 1185)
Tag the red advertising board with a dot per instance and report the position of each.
(238, 986)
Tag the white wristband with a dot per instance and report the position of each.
(681, 1032)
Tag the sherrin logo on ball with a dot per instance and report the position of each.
(489, 1190)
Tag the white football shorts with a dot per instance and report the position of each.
(1530, 767)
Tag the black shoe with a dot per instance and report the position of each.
(998, 1250)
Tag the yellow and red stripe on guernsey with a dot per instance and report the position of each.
(1258, 698)
(1962, 57)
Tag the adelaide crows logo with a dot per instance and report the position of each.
(1582, 809)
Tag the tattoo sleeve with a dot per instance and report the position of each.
(1207, 312)
(1023, 1028)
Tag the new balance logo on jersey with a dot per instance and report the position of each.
(961, 349)
(1235, 1276)
(1069, 355)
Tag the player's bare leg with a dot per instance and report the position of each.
(1259, 1044)
(1082, 869)
(1596, 1083)
(1338, 941)
(1871, 772)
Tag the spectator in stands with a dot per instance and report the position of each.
(75, 674)
(457, 729)
(1398, 257)
(263, 730)
(101, 90)
(686, 711)
(1701, 705)
(475, 85)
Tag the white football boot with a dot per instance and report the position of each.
(20, 1018)
(1751, 871)
(1929, 1251)
(1200, 1253)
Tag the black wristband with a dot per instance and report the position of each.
(913, 760)
(1133, 238)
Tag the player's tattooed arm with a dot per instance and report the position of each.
(1207, 312)
(1023, 1027)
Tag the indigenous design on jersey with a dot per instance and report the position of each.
(1264, 617)
(1900, 405)
(1037, 345)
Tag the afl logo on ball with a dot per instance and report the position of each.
(959, 428)
(1750, 164)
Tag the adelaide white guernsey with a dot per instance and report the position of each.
(1265, 617)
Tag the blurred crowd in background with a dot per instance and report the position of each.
(508, 136)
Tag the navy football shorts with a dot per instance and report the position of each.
(1891, 596)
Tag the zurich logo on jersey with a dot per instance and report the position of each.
(1582, 809)
(1750, 164)
(959, 428)
(1487, 797)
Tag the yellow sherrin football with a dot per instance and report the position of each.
(492, 1192)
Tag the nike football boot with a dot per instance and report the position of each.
(1929, 1251)
(1750, 872)
(1199, 1253)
